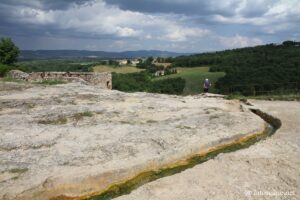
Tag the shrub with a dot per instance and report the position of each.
(169, 86)
(142, 82)
(4, 69)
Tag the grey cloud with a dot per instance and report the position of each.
(44, 4)
(183, 25)
(195, 7)
(188, 7)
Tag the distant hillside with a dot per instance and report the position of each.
(256, 70)
(66, 54)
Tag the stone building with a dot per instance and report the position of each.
(104, 80)
(159, 73)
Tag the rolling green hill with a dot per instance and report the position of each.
(256, 70)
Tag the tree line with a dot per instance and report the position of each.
(142, 82)
(252, 70)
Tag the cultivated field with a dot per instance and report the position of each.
(122, 70)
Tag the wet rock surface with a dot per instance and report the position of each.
(75, 139)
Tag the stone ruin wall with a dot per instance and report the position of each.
(104, 80)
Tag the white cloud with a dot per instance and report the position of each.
(239, 41)
(181, 34)
(148, 36)
(274, 13)
(32, 15)
(98, 18)
(95, 19)
(127, 32)
(283, 27)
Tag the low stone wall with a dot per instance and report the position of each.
(18, 75)
(104, 80)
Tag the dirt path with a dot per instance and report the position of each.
(267, 170)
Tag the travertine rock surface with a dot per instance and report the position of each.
(75, 139)
(267, 170)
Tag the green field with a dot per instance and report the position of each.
(194, 78)
(121, 70)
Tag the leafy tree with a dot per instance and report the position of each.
(289, 43)
(113, 63)
(159, 59)
(168, 60)
(9, 52)
(153, 68)
(149, 60)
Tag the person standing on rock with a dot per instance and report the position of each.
(206, 85)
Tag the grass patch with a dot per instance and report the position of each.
(63, 119)
(30, 105)
(43, 145)
(151, 121)
(79, 116)
(126, 122)
(18, 170)
(10, 79)
(50, 82)
(121, 69)
(58, 121)
(194, 77)
(213, 117)
(183, 127)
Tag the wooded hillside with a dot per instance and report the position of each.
(254, 70)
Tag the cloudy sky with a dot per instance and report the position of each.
(173, 25)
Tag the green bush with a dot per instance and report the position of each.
(4, 69)
(169, 86)
(141, 82)
(131, 82)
